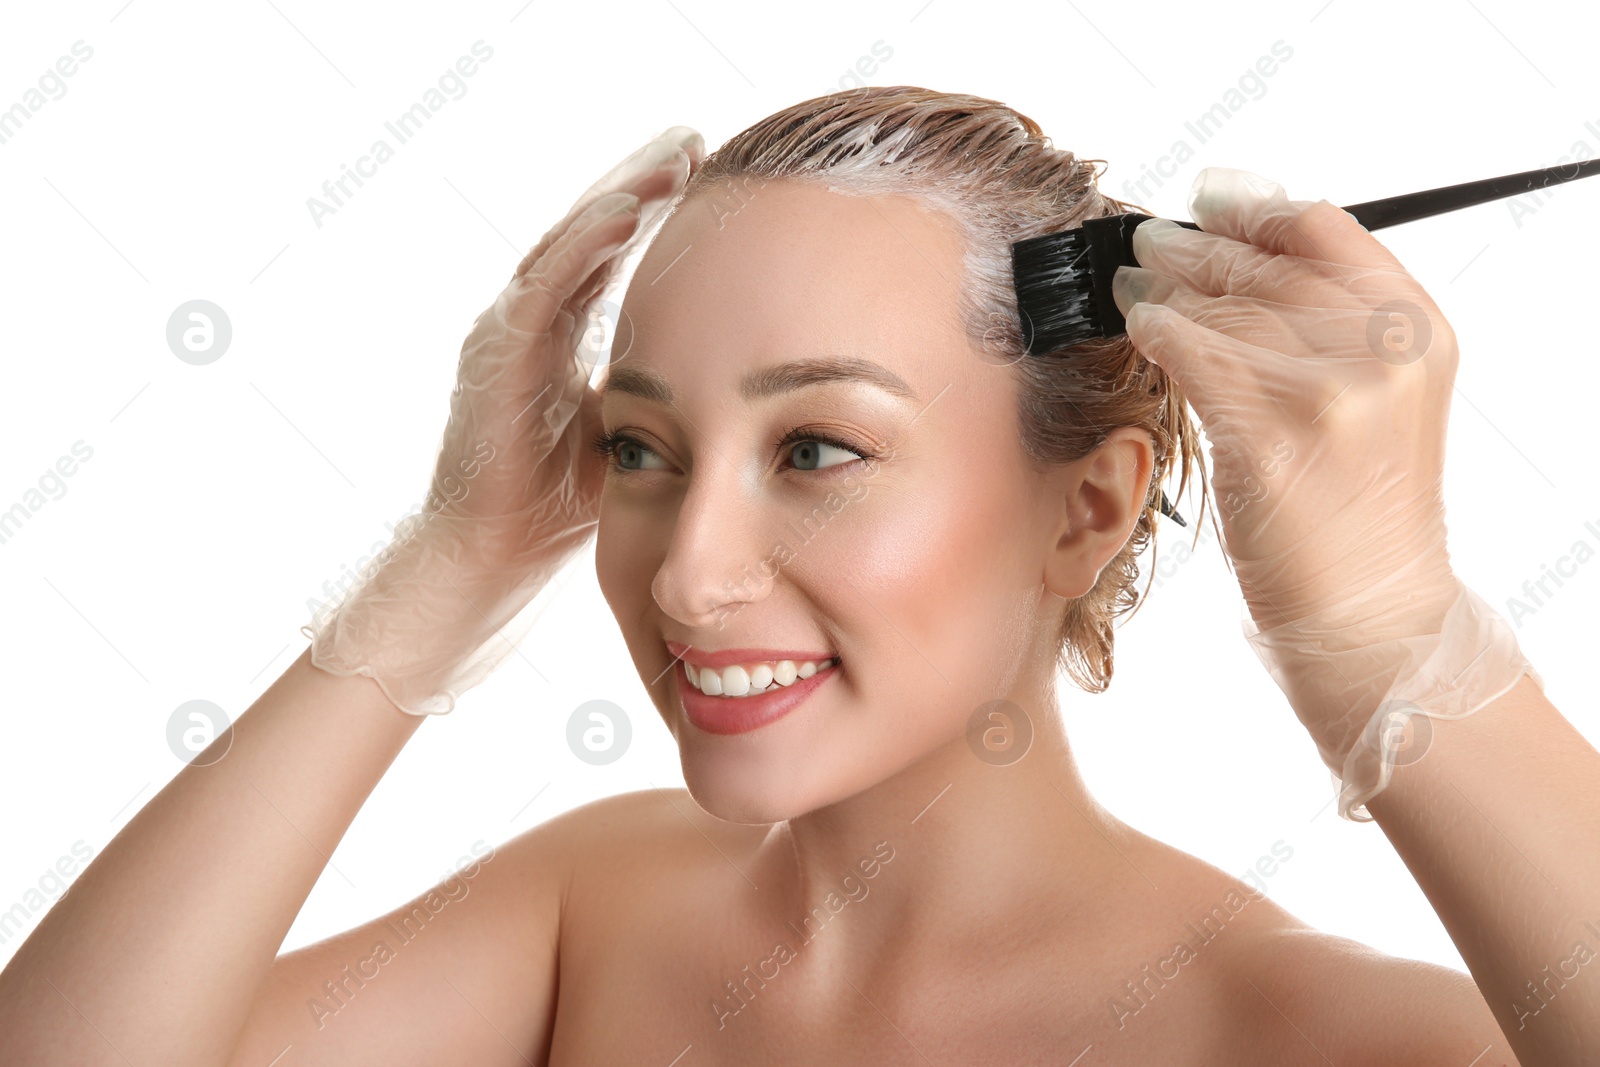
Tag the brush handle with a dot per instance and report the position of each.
(1408, 207)
(1393, 210)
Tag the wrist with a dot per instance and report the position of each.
(1471, 660)
(1362, 613)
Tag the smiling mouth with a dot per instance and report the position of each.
(761, 666)
(733, 713)
(740, 680)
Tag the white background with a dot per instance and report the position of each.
(218, 499)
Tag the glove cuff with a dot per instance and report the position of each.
(431, 618)
(1473, 661)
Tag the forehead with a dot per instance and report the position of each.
(752, 271)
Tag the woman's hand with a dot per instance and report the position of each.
(512, 446)
(1322, 374)
(515, 492)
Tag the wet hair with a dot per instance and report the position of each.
(989, 168)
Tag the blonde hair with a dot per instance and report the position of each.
(989, 169)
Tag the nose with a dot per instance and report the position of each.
(722, 556)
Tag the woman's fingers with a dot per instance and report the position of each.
(1319, 331)
(551, 282)
(656, 190)
(1255, 210)
(1215, 264)
(1252, 209)
(660, 186)
(1298, 276)
(640, 173)
(656, 180)
(1212, 373)
(578, 257)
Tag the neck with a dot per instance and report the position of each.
(955, 844)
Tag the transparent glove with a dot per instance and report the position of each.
(1322, 374)
(515, 490)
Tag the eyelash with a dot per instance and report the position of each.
(607, 442)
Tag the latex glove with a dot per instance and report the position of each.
(1322, 374)
(515, 490)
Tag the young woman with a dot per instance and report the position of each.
(823, 467)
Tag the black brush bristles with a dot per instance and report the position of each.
(1063, 281)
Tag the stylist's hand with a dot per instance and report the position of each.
(1322, 374)
(515, 490)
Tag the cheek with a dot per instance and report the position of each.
(932, 584)
(623, 550)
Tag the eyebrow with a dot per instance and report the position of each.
(650, 384)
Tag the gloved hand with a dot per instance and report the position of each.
(1322, 375)
(515, 490)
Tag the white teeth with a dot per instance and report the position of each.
(738, 681)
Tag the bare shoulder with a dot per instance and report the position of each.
(1288, 993)
(1306, 994)
(492, 961)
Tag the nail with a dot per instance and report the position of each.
(1149, 235)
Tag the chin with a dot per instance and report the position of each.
(809, 760)
(744, 788)
(739, 808)
(779, 771)
(770, 783)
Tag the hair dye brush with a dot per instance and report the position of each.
(1063, 280)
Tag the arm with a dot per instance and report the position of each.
(464, 973)
(1312, 997)
(157, 952)
(162, 950)
(1500, 823)
(1296, 334)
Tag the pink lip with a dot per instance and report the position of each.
(729, 656)
(738, 715)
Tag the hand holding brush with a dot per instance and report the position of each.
(1294, 333)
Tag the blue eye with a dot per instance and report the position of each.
(812, 453)
(631, 453)
(621, 451)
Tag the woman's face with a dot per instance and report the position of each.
(915, 557)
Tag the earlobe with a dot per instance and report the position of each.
(1075, 565)
(1070, 573)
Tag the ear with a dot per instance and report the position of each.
(1098, 500)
